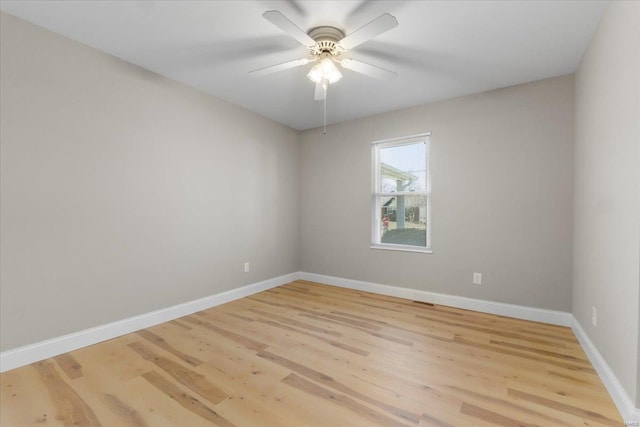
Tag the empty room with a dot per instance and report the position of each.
(319, 213)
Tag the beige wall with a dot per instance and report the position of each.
(502, 172)
(607, 191)
(124, 192)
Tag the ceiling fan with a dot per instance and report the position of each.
(327, 47)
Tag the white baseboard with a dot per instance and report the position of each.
(32, 353)
(52, 347)
(553, 317)
(625, 405)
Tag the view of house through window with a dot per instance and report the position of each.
(401, 194)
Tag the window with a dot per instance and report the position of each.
(401, 194)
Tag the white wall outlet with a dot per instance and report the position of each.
(246, 267)
(477, 278)
(594, 316)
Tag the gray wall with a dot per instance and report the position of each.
(607, 190)
(124, 192)
(502, 197)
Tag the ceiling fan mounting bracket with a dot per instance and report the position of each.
(326, 39)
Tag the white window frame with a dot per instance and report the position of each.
(377, 194)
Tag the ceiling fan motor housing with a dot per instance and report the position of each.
(326, 39)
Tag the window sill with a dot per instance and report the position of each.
(402, 248)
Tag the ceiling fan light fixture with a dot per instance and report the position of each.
(325, 70)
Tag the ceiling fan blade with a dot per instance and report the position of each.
(368, 69)
(279, 67)
(382, 23)
(321, 91)
(286, 25)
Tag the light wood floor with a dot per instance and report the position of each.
(306, 354)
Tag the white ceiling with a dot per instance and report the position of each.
(440, 49)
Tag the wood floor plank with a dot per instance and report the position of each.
(189, 402)
(493, 417)
(249, 343)
(114, 354)
(245, 410)
(194, 381)
(329, 382)
(293, 322)
(71, 409)
(564, 407)
(274, 330)
(432, 421)
(107, 391)
(162, 343)
(69, 366)
(127, 416)
(133, 403)
(510, 408)
(571, 365)
(403, 391)
(350, 331)
(255, 378)
(316, 355)
(342, 400)
(25, 401)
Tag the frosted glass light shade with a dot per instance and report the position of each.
(325, 70)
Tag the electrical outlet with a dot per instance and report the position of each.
(477, 278)
(246, 267)
(594, 316)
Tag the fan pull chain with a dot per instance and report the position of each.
(324, 129)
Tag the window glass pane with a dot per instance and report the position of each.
(403, 220)
(403, 168)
